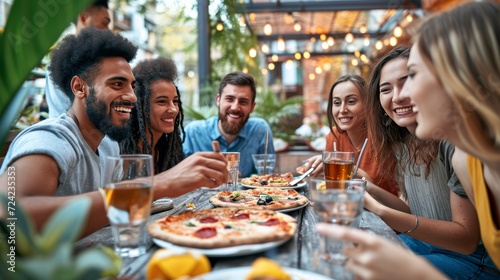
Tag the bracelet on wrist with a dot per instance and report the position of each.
(415, 227)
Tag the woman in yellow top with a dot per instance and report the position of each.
(454, 81)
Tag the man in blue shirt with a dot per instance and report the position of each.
(233, 127)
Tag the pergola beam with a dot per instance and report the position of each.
(285, 56)
(302, 37)
(332, 5)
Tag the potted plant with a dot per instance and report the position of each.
(49, 254)
(276, 111)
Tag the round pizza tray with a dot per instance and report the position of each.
(293, 209)
(234, 251)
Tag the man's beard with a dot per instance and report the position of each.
(96, 110)
(231, 128)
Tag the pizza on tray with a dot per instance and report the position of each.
(269, 180)
(223, 227)
(261, 198)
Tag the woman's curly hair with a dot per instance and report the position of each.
(80, 55)
(169, 147)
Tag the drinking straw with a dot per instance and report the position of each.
(359, 158)
(265, 152)
(334, 146)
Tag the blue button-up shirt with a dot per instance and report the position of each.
(251, 140)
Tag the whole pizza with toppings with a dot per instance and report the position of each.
(223, 227)
(261, 198)
(269, 180)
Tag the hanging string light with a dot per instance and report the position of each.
(268, 29)
(349, 38)
(252, 52)
(393, 41)
(296, 26)
(265, 48)
(398, 31)
(219, 26)
(281, 43)
(366, 41)
(330, 41)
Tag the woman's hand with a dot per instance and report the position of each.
(316, 162)
(373, 257)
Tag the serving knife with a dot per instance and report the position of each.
(302, 177)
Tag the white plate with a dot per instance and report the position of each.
(298, 186)
(241, 250)
(293, 209)
(239, 273)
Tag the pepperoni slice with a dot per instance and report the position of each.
(208, 220)
(242, 216)
(206, 232)
(270, 222)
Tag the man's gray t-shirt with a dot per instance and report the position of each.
(80, 167)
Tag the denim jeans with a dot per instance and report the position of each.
(477, 265)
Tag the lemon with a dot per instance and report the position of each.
(264, 267)
(171, 265)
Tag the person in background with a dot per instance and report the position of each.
(96, 16)
(347, 119)
(157, 117)
(454, 82)
(312, 126)
(435, 205)
(456, 103)
(233, 127)
(60, 159)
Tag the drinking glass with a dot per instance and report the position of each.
(338, 165)
(337, 202)
(261, 160)
(233, 164)
(128, 192)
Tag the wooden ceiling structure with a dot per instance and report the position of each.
(324, 24)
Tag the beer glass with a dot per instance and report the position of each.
(338, 165)
(128, 192)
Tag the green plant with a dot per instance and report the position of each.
(49, 255)
(276, 110)
(31, 29)
(202, 113)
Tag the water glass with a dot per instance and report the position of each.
(337, 202)
(338, 165)
(267, 160)
(233, 164)
(128, 192)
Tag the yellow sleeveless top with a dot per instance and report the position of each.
(490, 235)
